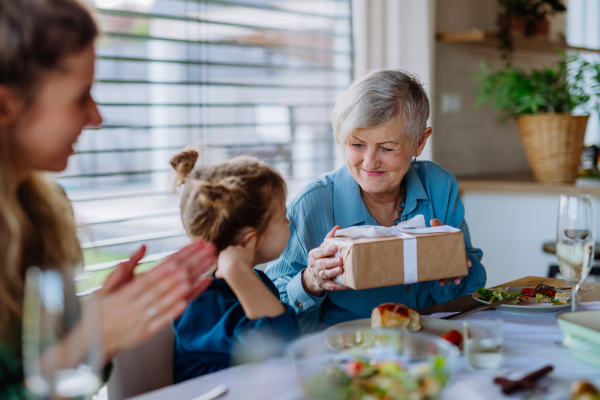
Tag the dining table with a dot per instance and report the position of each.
(531, 341)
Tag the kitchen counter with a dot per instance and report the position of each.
(524, 182)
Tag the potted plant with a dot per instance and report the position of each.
(526, 15)
(545, 104)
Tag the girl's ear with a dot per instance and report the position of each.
(10, 106)
(249, 236)
(244, 236)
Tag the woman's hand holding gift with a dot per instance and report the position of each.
(322, 269)
(437, 222)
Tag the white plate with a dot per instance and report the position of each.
(434, 326)
(537, 309)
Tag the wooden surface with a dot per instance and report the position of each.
(489, 39)
(524, 182)
(550, 247)
(588, 292)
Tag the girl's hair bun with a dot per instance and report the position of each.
(183, 163)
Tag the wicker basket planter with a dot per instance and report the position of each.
(553, 144)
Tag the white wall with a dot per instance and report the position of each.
(510, 229)
(396, 34)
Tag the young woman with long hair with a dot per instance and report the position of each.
(46, 74)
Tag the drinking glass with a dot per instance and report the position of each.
(62, 352)
(483, 343)
(575, 241)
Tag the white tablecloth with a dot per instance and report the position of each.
(529, 344)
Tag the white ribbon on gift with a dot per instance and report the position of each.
(402, 230)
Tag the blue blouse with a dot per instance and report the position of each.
(214, 322)
(335, 199)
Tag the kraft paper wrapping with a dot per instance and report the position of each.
(379, 261)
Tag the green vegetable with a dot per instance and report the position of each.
(539, 297)
(485, 294)
(495, 295)
(387, 380)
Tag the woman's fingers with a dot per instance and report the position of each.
(146, 281)
(436, 222)
(198, 263)
(115, 278)
(327, 263)
(166, 296)
(124, 271)
(331, 285)
(199, 287)
(163, 319)
(196, 258)
(175, 283)
(331, 273)
(206, 258)
(332, 232)
(322, 252)
(136, 258)
(445, 281)
(177, 258)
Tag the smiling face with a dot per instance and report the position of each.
(378, 158)
(45, 133)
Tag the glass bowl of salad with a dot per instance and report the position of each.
(366, 364)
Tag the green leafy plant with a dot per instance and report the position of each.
(532, 12)
(572, 86)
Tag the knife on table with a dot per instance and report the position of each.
(483, 307)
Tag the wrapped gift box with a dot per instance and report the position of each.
(376, 256)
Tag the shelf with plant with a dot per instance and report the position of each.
(551, 107)
(527, 15)
(520, 25)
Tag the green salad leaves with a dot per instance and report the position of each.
(495, 295)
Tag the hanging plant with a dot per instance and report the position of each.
(532, 12)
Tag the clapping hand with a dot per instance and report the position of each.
(133, 307)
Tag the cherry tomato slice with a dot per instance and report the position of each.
(353, 367)
(526, 291)
(453, 337)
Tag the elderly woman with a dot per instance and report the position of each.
(381, 124)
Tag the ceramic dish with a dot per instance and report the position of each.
(581, 332)
(433, 326)
(537, 309)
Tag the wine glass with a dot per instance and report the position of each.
(575, 241)
(62, 352)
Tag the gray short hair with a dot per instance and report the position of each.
(378, 97)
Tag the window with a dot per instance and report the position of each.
(583, 17)
(254, 77)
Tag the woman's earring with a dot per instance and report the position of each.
(415, 163)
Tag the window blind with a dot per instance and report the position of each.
(245, 77)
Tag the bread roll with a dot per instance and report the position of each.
(584, 390)
(395, 315)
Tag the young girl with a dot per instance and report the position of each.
(46, 74)
(240, 207)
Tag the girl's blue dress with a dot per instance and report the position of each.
(214, 323)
